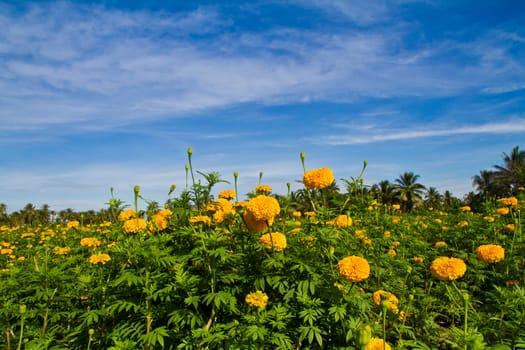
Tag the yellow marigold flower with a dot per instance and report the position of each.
(27, 235)
(377, 344)
(462, 224)
(263, 189)
(396, 206)
(510, 227)
(200, 219)
(318, 179)
(509, 201)
(396, 220)
(465, 208)
(490, 253)
(310, 214)
(502, 211)
(101, 258)
(164, 212)
(6, 251)
(257, 299)
(134, 225)
(360, 234)
(263, 207)
(489, 218)
(343, 221)
(127, 214)
(253, 224)
(396, 244)
(61, 250)
(366, 241)
(73, 224)
(437, 220)
(90, 242)
(380, 295)
(223, 209)
(386, 234)
(277, 239)
(227, 194)
(440, 244)
(392, 252)
(159, 222)
(296, 214)
(353, 268)
(448, 269)
(418, 259)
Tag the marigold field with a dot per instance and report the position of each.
(323, 271)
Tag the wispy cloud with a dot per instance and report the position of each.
(119, 72)
(425, 131)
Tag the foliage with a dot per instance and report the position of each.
(185, 285)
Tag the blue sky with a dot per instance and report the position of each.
(106, 94)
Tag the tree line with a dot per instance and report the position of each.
(503, 180)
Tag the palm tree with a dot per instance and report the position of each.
(486, 184)
(409, 190)
(511, 175)
(384, 191)
(433, 198)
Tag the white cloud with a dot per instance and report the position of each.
(424, 131)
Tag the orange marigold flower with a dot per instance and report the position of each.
(448, 269)
(318, 179)
(126, 214)
(510, 227)
(418, 259)
(465, 208)
(396, 220)
(509, 201)
(263, 189)
(490, 253)
(61, 250)
(275, 239)
(255, 225)
(263, 207)
(343, 221)
(257, 299)
(227, 194)
(90, 242)
(101, 258)
(380, 295)
(377, 344)
(200, 219)
(502, 211)
(73, 224)
(353, 268)
(164, 212)
(462, 224)
(159, 222)
(6, 251)
(440, 244)
(134, 225)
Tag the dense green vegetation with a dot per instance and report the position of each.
(318, 268)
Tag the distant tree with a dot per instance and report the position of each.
(4, 217)
(44, 215)
(486, 184)
(384, 191)
(408, 190)
(433, 198)
(511, 175)
(28, 214)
